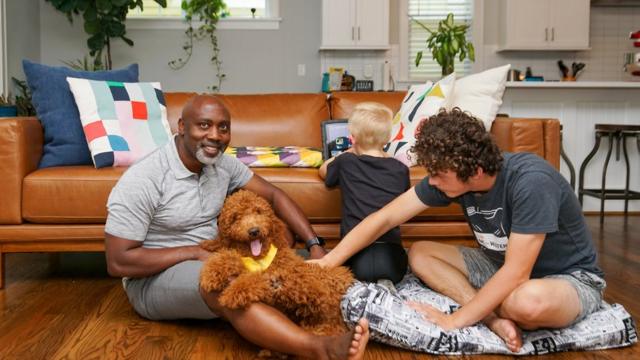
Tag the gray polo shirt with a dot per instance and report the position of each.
(160, 202)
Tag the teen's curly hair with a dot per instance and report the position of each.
(455, 140)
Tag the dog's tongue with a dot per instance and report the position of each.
(256, 247)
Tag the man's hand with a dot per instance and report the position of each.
(317, 252)
(445, 321)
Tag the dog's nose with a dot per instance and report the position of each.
(254, 231)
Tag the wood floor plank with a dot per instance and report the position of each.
(63, 307)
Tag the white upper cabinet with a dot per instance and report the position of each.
(544, 24)
(355, 24)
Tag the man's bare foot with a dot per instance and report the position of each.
(508, 331)
(350, 345)
(360, 340)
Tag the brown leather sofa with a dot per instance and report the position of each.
(63, 208)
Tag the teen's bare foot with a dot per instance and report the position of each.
(360, 340)
(508, 331)
(350, 345)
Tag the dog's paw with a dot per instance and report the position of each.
(220, 270)
(245, 290)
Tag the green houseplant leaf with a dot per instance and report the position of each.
(447, 43)
(103, 20)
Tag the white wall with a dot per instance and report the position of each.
(23, 36)
(253, 60)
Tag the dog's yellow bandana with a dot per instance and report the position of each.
(260, 264)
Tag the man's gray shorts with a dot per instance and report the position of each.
(588, 286)
(171, 294)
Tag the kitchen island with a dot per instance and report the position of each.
(579, 106)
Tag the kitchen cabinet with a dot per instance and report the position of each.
(544, 24)
(355, 24)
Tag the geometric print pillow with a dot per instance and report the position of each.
(421, 102)
(122, 122)
(276, 156)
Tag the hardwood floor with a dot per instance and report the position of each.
(66, 307)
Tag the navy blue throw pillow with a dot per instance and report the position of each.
(64, 140)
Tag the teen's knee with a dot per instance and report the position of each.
(527, 304)
(420, 251)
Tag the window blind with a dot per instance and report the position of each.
(430, 12)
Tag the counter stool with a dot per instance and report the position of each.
(619, 134)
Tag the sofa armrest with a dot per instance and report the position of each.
(538, 136)
(20, 151)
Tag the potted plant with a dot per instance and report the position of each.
(103, 20)
(446, 43)
(23, 101)
(209, 12)
(7, 108)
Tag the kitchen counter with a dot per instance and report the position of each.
(575, 84)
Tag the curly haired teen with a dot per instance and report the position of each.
(535, 267)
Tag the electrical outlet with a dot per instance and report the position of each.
(302, 69)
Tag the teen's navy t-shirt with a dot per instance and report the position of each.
(528, 197)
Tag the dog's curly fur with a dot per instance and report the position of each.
(307, 293)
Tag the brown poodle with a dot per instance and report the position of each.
(253, 263)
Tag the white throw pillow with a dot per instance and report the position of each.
(421, 102)
(481, 94)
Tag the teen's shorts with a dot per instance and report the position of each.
(589, 286)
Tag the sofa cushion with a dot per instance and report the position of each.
(343, 102)
(276, 119)
(122, 122)
(69, 194)
(64, 142)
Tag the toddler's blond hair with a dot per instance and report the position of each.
(370, 125)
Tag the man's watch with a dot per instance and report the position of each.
(317, 240)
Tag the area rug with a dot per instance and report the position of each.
(393, 322)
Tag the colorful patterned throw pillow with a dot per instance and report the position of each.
(122, 122)
(420, 102)
(280, 156)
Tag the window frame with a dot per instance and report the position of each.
(477, 29)
(175, 22)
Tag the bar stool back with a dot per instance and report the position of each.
(618, 134)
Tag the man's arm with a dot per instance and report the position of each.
(128, 257)
(287, 210)
(521, 255)
(397, 212)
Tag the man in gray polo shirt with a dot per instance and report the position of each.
(167, 203)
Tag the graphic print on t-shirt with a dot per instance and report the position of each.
(488, 228)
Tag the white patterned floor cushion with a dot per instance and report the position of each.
(394, 323)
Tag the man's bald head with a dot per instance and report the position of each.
(201, 104)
